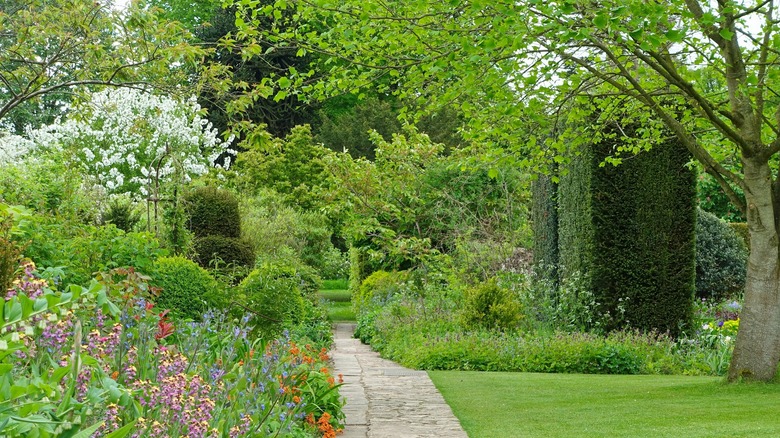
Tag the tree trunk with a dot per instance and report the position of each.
(757, 349)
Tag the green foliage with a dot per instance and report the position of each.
(491, 306)
(47, 184)
(176, 236)
(186, 289)
(10, 253)
(213, 212)
(713, 200)
(629, 230)
(377, 288)
(273, 227)
(84, 249)
(272, 296)
(544, 220)
(308, 278)
(122, 213)
(292, 167)
(357, 269)
(742, 230)
(43, 34)
(413, 202)
(345, 123)
(223, 250)
(272, 107)
(721, 258)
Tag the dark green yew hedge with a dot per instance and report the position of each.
(630, 229)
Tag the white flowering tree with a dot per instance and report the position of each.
(13, 147)
(133, 142)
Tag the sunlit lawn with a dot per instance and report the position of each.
(573, 405)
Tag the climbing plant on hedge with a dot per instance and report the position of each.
(630, 230)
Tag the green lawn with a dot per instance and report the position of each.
(573, 405)
(336, 295)
(338, 304)
(334, 284)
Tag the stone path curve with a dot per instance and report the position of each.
(386, 400)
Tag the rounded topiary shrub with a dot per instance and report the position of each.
(491, 306)
(213, 212)
(271, 295)
(225, 250)
(721, 258)
(186, 289)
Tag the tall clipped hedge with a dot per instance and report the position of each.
(544, 223)
(630, 230)
(213, 212)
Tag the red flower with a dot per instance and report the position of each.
(164, 328)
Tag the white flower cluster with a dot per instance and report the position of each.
(14, 147)
(129, 140)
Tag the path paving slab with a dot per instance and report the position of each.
(386, 400)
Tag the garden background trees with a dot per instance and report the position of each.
(48, 48)
(537, 78)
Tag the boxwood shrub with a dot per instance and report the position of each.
(186, 289)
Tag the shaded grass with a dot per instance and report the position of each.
(567, 405)
(336, 295)
(341, 283)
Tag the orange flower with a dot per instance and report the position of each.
(331, 381)
(324, 355)
(324, 370)
(296, 399)
(114, 375)
(341, 378)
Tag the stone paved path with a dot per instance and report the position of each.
(386, 400)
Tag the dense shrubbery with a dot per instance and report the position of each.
(434, 325)
(721, 258)
(81, 250)
(213, 212)
(377, 288)
(186, 289)
(491, 306)
(121, 213)
(272, 295)
(275, 230)
(223, 250)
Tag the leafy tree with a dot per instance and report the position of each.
(275, 108)
(345, 123)
(412, 200)
(291, 166)
(50, 47)
(705, 71)
(191, 13)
